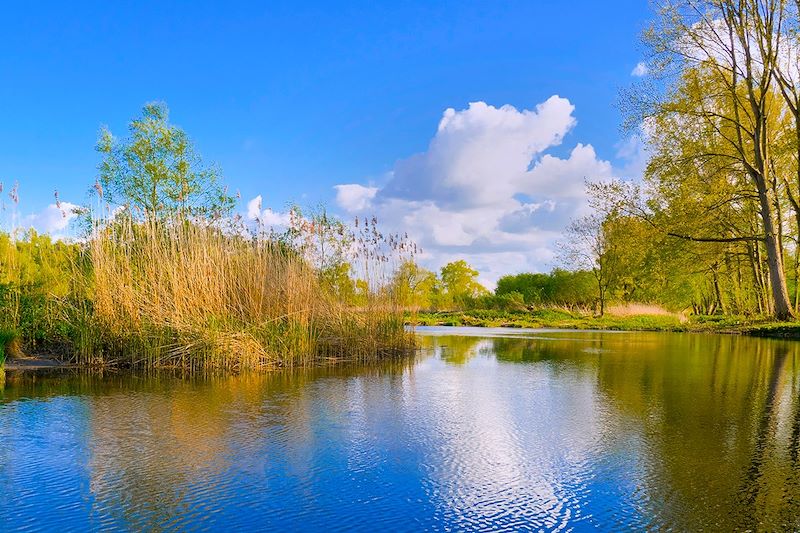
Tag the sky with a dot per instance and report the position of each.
(471, 125)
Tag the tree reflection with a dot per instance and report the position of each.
(162, 447)
(681, 432)
(719, 416)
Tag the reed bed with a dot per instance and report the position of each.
(181, 294)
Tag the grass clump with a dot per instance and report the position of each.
(560, 318)
(193, 294)
(165, 274)
(190, 295)
(9, 345)
(784, 330)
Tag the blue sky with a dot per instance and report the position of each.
(292, 99)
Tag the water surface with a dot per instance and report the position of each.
(484, 429)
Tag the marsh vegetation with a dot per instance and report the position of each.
(165, 276)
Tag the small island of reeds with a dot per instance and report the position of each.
(163, 275)
(179, 293)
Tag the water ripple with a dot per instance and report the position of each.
(512, 432)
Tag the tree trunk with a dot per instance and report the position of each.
(717, 291)
(797, 266)
(755, 267)
(602, 292)
(780, 294)
(602, 304)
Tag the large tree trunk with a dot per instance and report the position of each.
(777, 277)
(757, 78)
(755, 266)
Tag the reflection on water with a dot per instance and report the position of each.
(485, 429)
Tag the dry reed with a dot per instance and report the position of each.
(180, 294)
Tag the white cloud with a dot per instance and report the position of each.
(266, 217)
(254, 208)
(486, 189)
(354, 197)
(274, 218)
(53, 219)
(640, 69)
(479, 155)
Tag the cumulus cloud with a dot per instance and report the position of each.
(640, 69)
(254, 208)
(487, 189)
(266, 217)
(473, 145)
(354, 197)
(53, 219)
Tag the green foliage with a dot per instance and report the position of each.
(415, 287)
(7, 336)
(771, 329)
(456, 288)
(156, 171)
(460, 283)
(337, 280)
(37, 286)
(561, 319)
(722, 125)
(547, 318)
(559, 287)
(506, 302)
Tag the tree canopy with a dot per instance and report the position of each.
(156, 172)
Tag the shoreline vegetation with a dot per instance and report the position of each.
(555, 318)
(386, 342)
(163, 274)
(170, 293)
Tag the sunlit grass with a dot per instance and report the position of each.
(188, 295)
(9, 344)
(550, 318)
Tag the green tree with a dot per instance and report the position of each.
(156, 171)
(570, 288)
(559, 287)
(460, 282)
(532, 287)
(414, 286)
(718, 61)
(338, 281)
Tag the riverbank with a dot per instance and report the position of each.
(562, 319)
(545, 318)
(34, 363)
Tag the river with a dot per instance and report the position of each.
(485, 429)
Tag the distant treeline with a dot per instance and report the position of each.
(558, 288)
(456, 287)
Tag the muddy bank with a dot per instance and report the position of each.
(34, 363)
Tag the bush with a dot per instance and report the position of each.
(512, 301)
(8, 341)
(559, 287)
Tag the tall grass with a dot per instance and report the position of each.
(8, 345)
(194, 295)
(180, 294)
